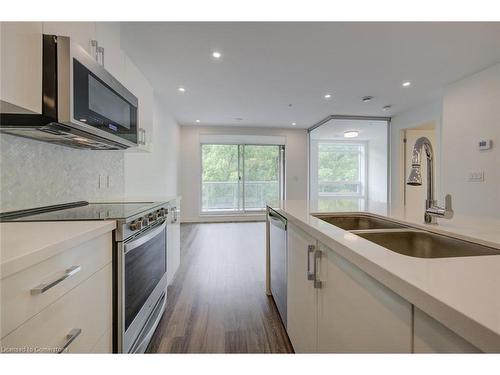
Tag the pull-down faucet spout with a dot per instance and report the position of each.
(415, 179)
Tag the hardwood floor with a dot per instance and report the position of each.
(217, 301)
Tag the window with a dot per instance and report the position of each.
(341, 169)
(240, 178)
(348, 172)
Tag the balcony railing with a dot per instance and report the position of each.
(228, 195)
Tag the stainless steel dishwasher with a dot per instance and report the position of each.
(278, 260)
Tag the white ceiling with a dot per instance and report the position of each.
(267, 66)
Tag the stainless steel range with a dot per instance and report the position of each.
(139, 261)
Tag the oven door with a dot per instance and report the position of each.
(142, 283)
(100, 103)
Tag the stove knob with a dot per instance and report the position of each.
(136, 225)
(152, 217)
(161, 212)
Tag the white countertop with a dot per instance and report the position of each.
(23, 244)
(463, 293)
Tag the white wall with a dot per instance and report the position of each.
(154, 175)
(428, 112)
(471, 111)
(190, 168)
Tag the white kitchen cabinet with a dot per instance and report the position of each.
(140, 87)
(108, 36)
(80, 32)
(173, 242)
(301, 294)
(357, 314)
(21, 67)
(430, 336)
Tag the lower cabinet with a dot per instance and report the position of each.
(335, 307)
(302, 297)
(357, 314)
(430, 336)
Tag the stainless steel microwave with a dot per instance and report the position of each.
(83, 105)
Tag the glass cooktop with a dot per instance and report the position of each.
(81, 211)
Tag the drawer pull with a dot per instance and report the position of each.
(39, 289)
(70, 337)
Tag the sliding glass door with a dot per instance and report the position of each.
(239, 178)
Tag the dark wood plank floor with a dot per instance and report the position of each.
(217, 302)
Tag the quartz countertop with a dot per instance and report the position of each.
(463, 293)
(25, 244)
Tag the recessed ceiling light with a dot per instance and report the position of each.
(294, 123)
(351, 133)
(387, 107)
(198, 121)
(216, 55)
(367, 98)
(328, 96)
(406, 84)
(181, 89)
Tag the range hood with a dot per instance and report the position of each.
(75, 85)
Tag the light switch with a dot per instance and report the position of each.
(485, 144)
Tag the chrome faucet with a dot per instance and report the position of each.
(432, 211)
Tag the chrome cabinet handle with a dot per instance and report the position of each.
(70, 337)
(310, 250)
(318, 284)
(100, 51)
(42, 288)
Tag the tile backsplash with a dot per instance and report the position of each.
(34, 174)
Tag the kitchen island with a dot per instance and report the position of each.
(455, 295)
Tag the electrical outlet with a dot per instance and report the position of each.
(102, 182)
(476, 176)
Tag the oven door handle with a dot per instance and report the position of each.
(144, 238)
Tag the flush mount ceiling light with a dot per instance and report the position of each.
(181, 89)
(406, 84)
(367, 99)
(216, 55)
(197, 121)
(387, 107)
(351, 133)
(328, 96)
(294, 123)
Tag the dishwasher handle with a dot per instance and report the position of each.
(277, 220)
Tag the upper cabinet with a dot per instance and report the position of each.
(21, 66)
(140, 87)
(107, 35)
(80, 32)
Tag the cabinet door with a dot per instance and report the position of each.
(108, 36)
(140, 87)
(174, 246)
(80, 32)
(301, 294)
(430, 336)
(357, 314)
(21, 67)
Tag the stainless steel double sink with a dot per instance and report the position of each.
(404, 239)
